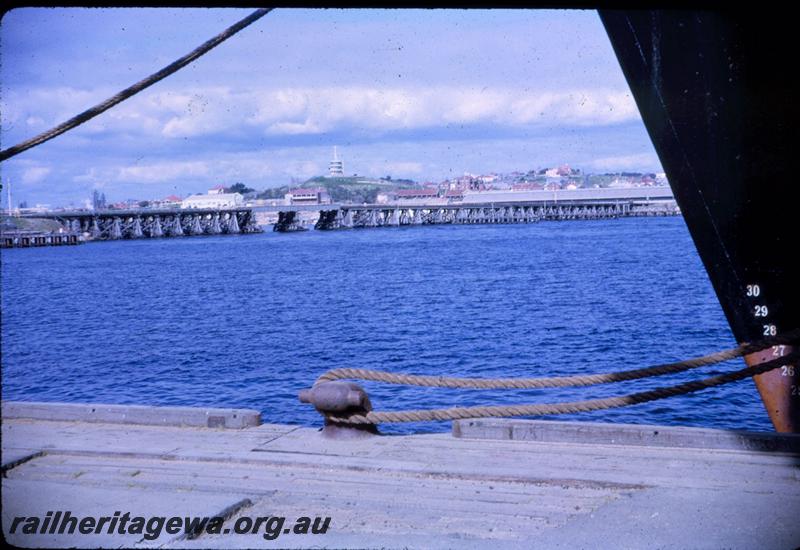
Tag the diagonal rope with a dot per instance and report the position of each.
(456, 413)
(558, 381)
(136, 88)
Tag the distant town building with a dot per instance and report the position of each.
(551, 173)
(37, 209)
(424, 193)
(527, 187)
(317, 195)
(213, 200)
(385, 196)
(620, 183)
(171, 200)
(217, 190)
(454, 195)
(336, 166)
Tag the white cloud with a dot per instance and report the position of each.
(52, 105)
(294, 128)
(162, 172)
(309, 111)
(35, 174)
(461, 106)
(301, 110)
(199, 111)
(579, 108)
(89, 176)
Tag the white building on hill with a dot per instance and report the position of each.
(213, 200)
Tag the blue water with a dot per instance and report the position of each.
(248, 321)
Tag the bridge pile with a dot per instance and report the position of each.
(288, 221)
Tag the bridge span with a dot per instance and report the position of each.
(504, 207)
(156, 223)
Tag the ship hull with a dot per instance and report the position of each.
(720, 108)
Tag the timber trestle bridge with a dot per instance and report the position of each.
(389, 215)
(146, 223)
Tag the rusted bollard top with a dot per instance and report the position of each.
(342, 399)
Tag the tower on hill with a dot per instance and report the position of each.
(335, 167)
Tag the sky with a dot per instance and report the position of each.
(420, 94)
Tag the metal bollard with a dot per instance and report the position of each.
(344, 399)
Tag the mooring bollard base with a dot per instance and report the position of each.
(339, 430)
(341, 399)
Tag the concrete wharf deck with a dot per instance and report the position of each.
(499, 483)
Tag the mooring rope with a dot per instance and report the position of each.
(136, 88)
(373, 417)
(557, 381)
(456, 413)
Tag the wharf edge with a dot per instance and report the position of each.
(560, 488)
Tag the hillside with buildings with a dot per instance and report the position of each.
(337, 187)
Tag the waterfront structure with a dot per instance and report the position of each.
(288, 222)
(497, 207)
(384, 197)
(318, 195)
(493, 483)
(36, 209)
(525, 193)
(555, 194)
(425, 193)
(156, 223)
(25, 239)
(171, 201)
(213, 200)
(348, 217)
(454, 195)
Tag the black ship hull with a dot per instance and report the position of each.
(718, 96)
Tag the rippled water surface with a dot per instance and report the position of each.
(248, 321)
